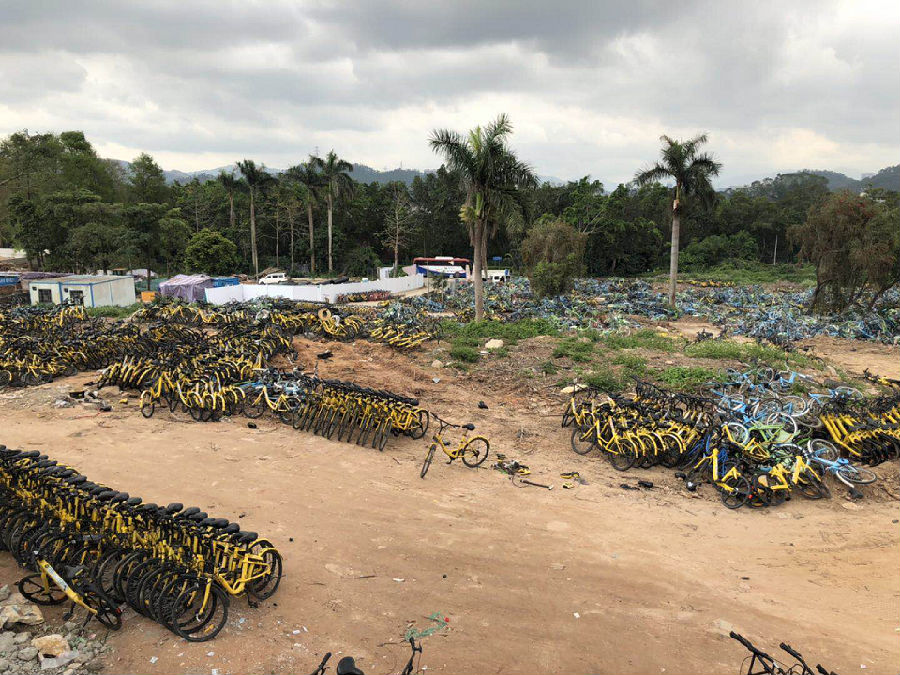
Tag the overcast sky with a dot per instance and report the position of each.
(590, 86)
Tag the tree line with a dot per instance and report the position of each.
(69, 209)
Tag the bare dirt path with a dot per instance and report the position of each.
(594, 579)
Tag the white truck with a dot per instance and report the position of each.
(274, 278)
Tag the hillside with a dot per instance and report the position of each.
(886, 179)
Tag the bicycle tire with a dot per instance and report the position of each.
(738, 495)
(622, 457)
(582, 441)
(148, 408)
(32, 588)
(477, 449)
(429, 456)
(207, 624)
(858, 475)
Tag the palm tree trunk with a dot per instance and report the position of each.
(312, 241)
(253, 236)
(673, 256)
(277, 237)
(330, 207)
(476, 270)
(231, 212)
(291, 223)
(396, 252)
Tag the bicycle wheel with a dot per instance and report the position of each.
(418, 428)
(265, 586)
(621, 455)
(32, 587)
(812, 488)
(475, 451)
(583, 440)
(198, 616)
(429, 456)
(108, 614)
(735, 491)
(148, 406)
(856, 474)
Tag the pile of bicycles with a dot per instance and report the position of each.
(761, 663)
(101, 548)
(752, 439)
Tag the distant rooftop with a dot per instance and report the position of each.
(82, 279)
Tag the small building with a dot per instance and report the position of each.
(90, 291)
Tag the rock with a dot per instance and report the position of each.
(4, 665)
(4, 592)
(60, 661)
(13, 598)
(22, 638)
(27, 614)
(27, 653)
(494, 343)
(51, 645)
(94, 665)
(723, 627)
(7, 640)
(572, 388)
(62, 403)
(437, 363)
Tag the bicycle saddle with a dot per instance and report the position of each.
(347, 666)
(188, 512)
(133, 501)
(119, 497)
(197, 517)
(246, 537)
(174, 507)
(231, 528)
(105, 495)
(149, 506)
(469, 426)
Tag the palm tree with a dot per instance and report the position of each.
(257, 179)
(336, 182)
(493, 179)
(310, 180)
(691, 172)
(232, 184)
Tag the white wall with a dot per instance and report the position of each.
(329, 293)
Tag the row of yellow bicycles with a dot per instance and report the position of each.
(101, 548)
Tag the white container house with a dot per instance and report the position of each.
(90, 291)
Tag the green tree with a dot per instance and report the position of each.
(399, 226)
(855, 246)
(493, 180)
(336, 182)
(258, 180)
(147, 182)
(150, 227)
(553, 253)
(96, 243)
(311, 184)
(232, 184)
(209, 252)
(691, 170)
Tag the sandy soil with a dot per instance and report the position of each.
(593, 579)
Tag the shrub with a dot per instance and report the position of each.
(361, 261)
(575, 349)
(553, 254)
(211, 253)
(604, 379)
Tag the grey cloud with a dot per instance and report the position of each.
(274, 77)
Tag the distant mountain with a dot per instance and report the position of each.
(887, 179)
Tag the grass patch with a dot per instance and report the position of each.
(748, 273)
(747, 353)
(604, 379)
(645, 338)
(549, 368)
(503, 351)
(112, 312)
(576, 349)
(465, 354)
(591, 334)
(633, 365)
(687, 377)
(508, 332)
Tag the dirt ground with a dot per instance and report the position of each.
(593, 579)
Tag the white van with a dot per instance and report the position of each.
(274, 278)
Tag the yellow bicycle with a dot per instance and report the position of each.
(473, 451)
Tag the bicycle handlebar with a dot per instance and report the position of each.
(792, 652)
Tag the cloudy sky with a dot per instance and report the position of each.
(589, 86)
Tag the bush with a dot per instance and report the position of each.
(361, 261)
(578, 350)
(113, 312)
(510, 333)
(553, 254)
(464, 353)
(605, 380)
(717, 248)
(687, 377)
(211, 253)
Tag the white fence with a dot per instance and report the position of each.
(309, 293)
